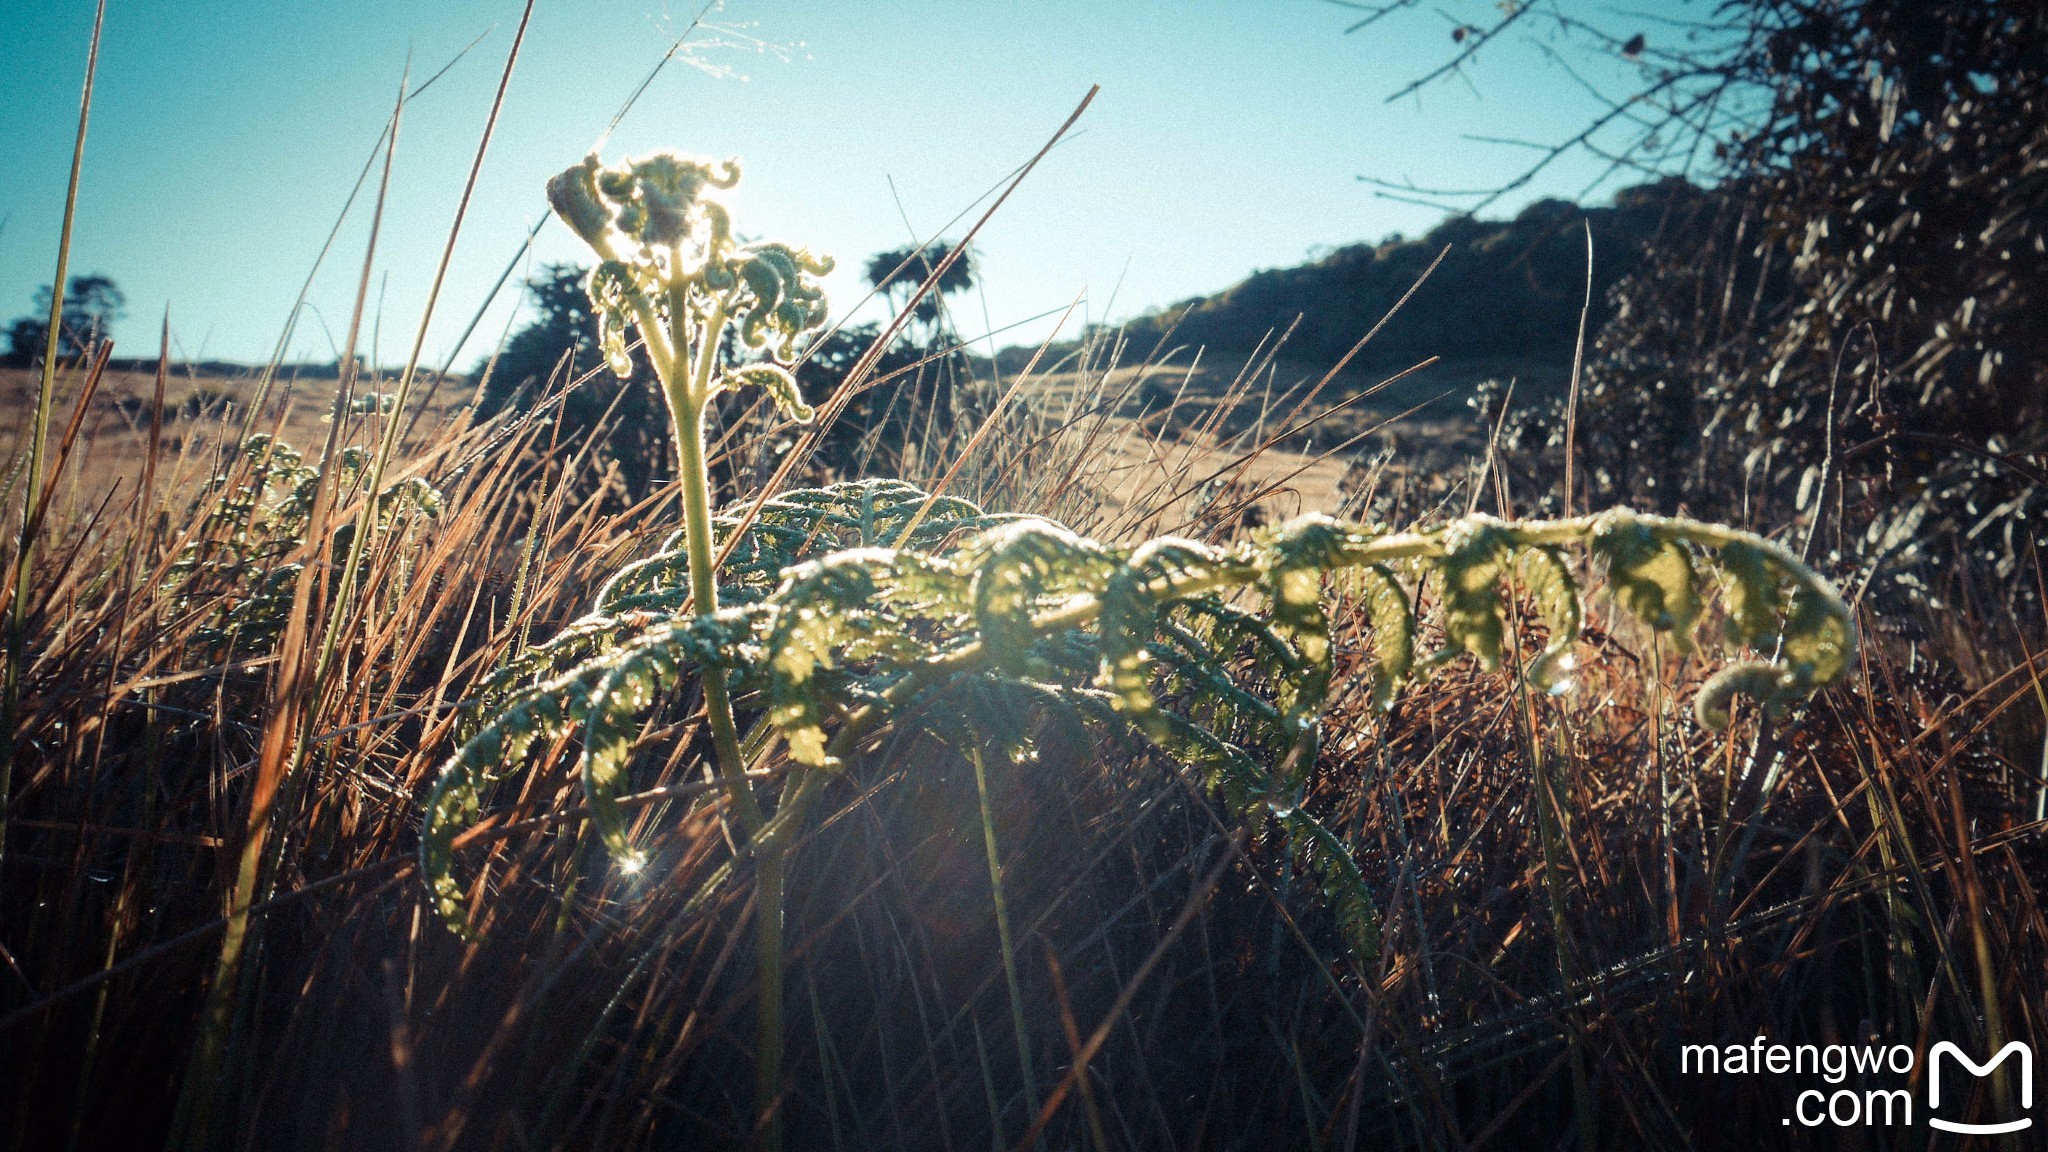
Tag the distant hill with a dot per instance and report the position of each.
(1505, 301)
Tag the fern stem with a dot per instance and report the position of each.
(771, 871)
(688, 390)
(771, 864)
(725, 740)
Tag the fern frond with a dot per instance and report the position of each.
(1652, 574)
(1025, 565)
(850, 606)
(634, 679)
(1393, 632)
(870, 603)
(547, 711)
(1129, 615)
(1474, 557)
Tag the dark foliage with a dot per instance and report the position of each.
(555, 361)
(908, 398)
(1851, 331)
(898, 273)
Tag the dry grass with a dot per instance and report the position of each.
(1871, 865)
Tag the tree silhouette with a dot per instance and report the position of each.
(91, 307)
(898, 273)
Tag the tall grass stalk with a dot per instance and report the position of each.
(291, 693)
(1018, 1022)
(18, 584)
(281, 770)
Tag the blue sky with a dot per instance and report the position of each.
(1227, 137)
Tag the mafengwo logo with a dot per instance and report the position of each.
(1963, 1095)
(2026, 1077)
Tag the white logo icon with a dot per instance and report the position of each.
(2026, 1062)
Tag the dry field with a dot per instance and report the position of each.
(1175, 448)
(203, 412)
(1165, 443)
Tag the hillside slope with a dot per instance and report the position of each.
(1505, 301)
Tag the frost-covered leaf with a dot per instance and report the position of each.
(1651, 573)
(1393, 632)
(1548, 581)
(1755, 604)
(1475, 551)
(1128, 617)
(1025, 565)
